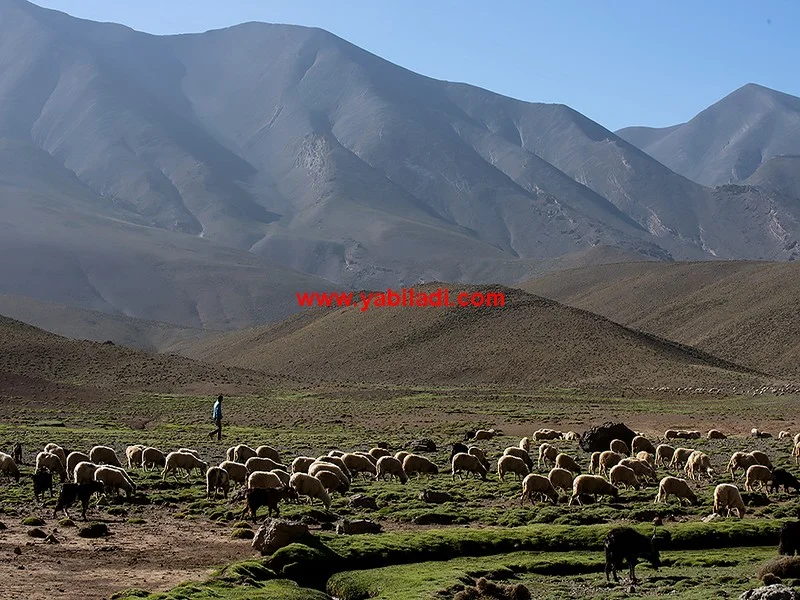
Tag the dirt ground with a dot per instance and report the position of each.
(154, 556)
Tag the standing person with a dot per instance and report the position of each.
(217, 418)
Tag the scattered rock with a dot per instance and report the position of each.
(599, 437)
(94, 530)
(3, 526)
(776, 591)
(711, 517)
(17, 550)
(435, 496)
(240, 533)
(277, 533)
(422, 445)
(363, 501)
(33, 522)
(37, 533)
(51, 539)
(357, 526)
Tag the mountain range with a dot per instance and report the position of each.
(202, 179)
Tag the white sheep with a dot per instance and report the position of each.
(784, 434)
(546, 434)
(608, 458)
(336, 453)
(480, 455)
(401, 455)
(680, 457)
(761, 458)
(643, 470)
(301, 464)
(414, 464)
(565, 461)
(217, 479)
(716, 434)
(319, 466)
(114, 479)
(467, 463)
(242, 452)
(664, 454)
(525, 444)
(389, 465)
(84, 472)
(508, 463)
(592, 485)
(727, 496)
(237, 472)
(306, 485)
(256, 463)
(619, 447)
(519, 453)
(796, 438)
(230, 454)
(284, 476)
(547, 454)
(264, 480)
(620, 475)
(182, 460)
(8, 466)
(483, 434)
(535, 485)
(103, 455)
(671, 434)
(673, 486)
(740, 460)
(268, 452)
(570, 435)
(368, 456)
(357, 463)
(378, 453)
(134, 455)
(642, 444)
(152, 458)
(335, 460)
(698, 463)
(51, 462)
(561, 479)
(757, 474)
(330, 481)
(796, 453)
(190, 451)
(594, 463)
(647, 457)
(58, 451)
(73, 459)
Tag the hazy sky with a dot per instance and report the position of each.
(620, 62)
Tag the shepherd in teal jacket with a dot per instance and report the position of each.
(217, 418)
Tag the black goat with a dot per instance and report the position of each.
(70, 492)
(255, 498)
(627, 544)
(42, 482)
(458, 447)
(782, 477)
(790, 539)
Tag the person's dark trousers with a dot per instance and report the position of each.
(218, 430)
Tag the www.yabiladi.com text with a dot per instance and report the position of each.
(408, 297)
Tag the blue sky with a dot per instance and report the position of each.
(620, 62)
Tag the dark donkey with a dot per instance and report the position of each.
(627, 544)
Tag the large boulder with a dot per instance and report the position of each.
(423, 445)
(598, 438)
(362, 501)
(435, 496)
(777, 591)
(274, 534)
(357, 526)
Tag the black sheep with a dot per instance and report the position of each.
(790, 539)
(255, 498)
(42, 482)
(70, 492)
(16, 453)
(626, 544)
(782, 477)
(458, 447)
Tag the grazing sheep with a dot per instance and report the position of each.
(561, 479)
(153, 458)
(217, 479)
(625, 544)
(58, 451)
(789, 544)
(134, 455)
(508, 463)
(257, 463)
(570, 435)
(608, 459)
(784, 434)
(401, 455)
(757, 474)
(306, 485)
(796, 452)
(237, 472)
(458, 447)
(301, 464)
(71, 492)
(389, 465)
(644, 472)
(243, 452)
(480, 454)
(620, 475)
(525, 444)
(716, 434)
(740, 460)
(331, 482)
(284, 476)
(468, 463)
(537, 486)
(547, 454)
(42, 482)
(73, 458)
(483, 434)
(680, 458)
(114, 479)
(378, 453)
(8, 466)
(698, 463)
(727, 496)
(369, 457)
(671, 434)
(761, 458)
(782, 477)
(664, 454)
(693, 435)
(672, 486)
(103, 455)
(546, 434)
(356, 463)
(255, 498)
(84, 472)
(593, 485)
(565, 461)
(270, 452)
(230, 454)
(594, 462)
(319, 466)
(619, 447)
(264, 480)
(413, 464)
(335, 460)
(182, 460)
(519, 453)
(647, 457)
(796, 438)
(51, 462)
(190, 451)
(642, 444)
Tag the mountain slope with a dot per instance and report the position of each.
(779, 174)
(528, 342)
(728, 141)
(745, 312)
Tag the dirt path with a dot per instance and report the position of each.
(154, 556)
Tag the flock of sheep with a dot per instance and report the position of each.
(265, 480)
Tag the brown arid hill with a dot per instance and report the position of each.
(33, 359)
(745, 312)
(529, 342)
